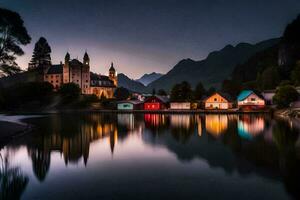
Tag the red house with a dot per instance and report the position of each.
(156, 103)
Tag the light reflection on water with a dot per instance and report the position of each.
(154, 156)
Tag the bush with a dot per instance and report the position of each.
(70, 91)
(285, 95)
(121, 93)
(25, 92)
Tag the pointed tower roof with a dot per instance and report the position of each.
(86, 56)
(112, 67)
(67, 56)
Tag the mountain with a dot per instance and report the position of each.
(214, 69)
(146, 79)
(130, 84)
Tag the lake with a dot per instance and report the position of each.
(154, 156)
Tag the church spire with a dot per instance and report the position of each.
(86, 58)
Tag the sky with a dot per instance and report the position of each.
(142, 36)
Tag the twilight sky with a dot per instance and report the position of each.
(141, 36)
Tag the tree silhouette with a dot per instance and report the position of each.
(12, 34)
(41, 54)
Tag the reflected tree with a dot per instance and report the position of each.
(40, 163)
(12, 181)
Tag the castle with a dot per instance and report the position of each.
(74, 71)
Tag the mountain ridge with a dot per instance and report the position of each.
(212, 70)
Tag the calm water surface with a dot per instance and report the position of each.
(153, 156)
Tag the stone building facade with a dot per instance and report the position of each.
(74, 71)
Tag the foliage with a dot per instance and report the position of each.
(70, 91)
(12, 34)
(285, 95)
(181, 92)
(285, 82)
(231, 87)
(199, 91)
(211, 91)
(27, 92)
(269, 79)
(41, 53)
(292, 32)
(295, 75)
(255, 65)
(162, 92)
(153, 91)
(121, 93)
(12, 181)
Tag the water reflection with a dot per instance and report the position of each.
(12, 181)
(235, 143)
(250, 126)
(216, 124)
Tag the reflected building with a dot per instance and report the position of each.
(216, 125)
(250, 126)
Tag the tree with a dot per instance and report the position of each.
(181, 92)
(285, 95)
(12, 34)
(162, 92)
(121, 93)
(269, 79)
(153, 92)
(175, 92)
(211, 91)
(295, 74)
(41, 54)
(231, 87)
(186, 91)
(199, 91)
(70, 91)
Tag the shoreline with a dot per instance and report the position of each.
(12, 128)
(167, 111)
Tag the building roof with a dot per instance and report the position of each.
(245, 93)
(222, 94)
(112, 67)
(55, 69)
(163, 99)
(134, 102)
(98, 80)
(75, 62)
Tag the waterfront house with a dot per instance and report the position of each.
(218, 101)
(156, 103)
(180, 105)
(129, 105)
(249, 100)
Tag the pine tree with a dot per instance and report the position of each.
(13, 34)
(41, 54)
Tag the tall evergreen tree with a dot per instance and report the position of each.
(12, 34)
(41, 54)
(199, 91)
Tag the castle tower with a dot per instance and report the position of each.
(113, 75)
(86, 59)
(85, 74)
(66, 69)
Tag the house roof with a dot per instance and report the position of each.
(98, 80)
(135, 102)
(55, 69)
(222, 94)
(163, 99)
(245, 93)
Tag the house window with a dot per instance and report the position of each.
(215, 99)
(252, 99)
